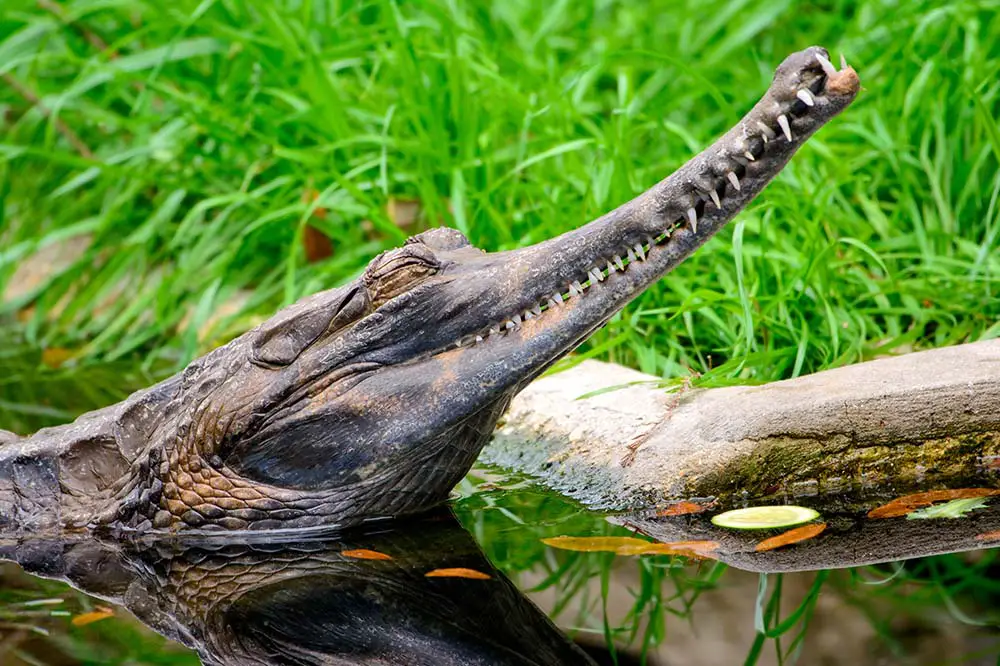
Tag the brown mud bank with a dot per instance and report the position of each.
(613, 439)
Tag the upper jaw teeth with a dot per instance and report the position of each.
(637, 252)
(827, 66)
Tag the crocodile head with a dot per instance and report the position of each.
(375, 398)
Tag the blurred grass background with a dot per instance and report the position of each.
(183, 169)
(172, 173)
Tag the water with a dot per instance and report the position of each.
(366, 597)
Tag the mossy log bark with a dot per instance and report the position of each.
(899, 422)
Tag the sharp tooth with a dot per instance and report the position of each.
(611, 268)
(551, 303)
(578, 286)
(458, 343)
(715, 198)
(508, 324)
(733, 180)
(783, 123)
(630, 255)
(640, 252)
(766, 131)
(537, 310)
(827, 66)
(558, 297)
(667, 232)
(494, 330)
(596, 275)
(619, 263)
(693, 219)
(843, 62)
(750, 156)
(516, 319)
(528, 315)
(806, 98)
(479, 339)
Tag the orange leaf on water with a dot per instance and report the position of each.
(96, 615)
(457, 572)
(789, 537)
(595, 544)
(693, 549)
(909, 503)
(684, 508)
(365, 554)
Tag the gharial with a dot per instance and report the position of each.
(374, 399)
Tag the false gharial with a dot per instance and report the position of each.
(374, 399)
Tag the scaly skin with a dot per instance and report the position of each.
(373, 399)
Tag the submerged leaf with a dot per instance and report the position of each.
(365, 554)
(594, 544)
(632, 546)
(457, 572)
(100, 613)
(795, 535)
(953, 509)
(902, 506)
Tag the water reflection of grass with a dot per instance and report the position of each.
(664, 596)
(37, 629)
(936, 594)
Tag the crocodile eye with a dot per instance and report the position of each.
(397, 271)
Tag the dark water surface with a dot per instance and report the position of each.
(476, 584)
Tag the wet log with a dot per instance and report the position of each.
(613, 438)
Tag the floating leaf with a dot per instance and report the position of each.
(594, 544)
(902, 506)
(698, 550)
(365, 554)
(96, 615)
(795, 535)
(765, 517)
(989, 536)
(953, 509)
(458, 572)
(684, 508)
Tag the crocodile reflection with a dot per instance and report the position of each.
(306, 602)
(851, 537)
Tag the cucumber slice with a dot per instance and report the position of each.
(765, 517)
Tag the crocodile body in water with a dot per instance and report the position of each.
(374, 399)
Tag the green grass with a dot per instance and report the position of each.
(181, 143)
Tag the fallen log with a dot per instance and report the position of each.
(898, 422)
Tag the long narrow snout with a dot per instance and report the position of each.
(561, 290)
